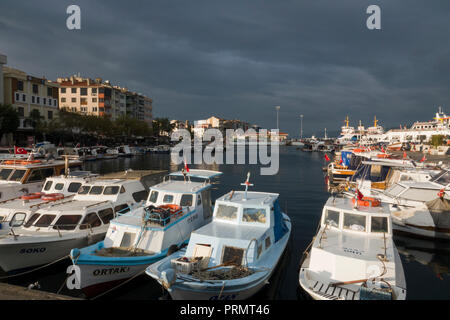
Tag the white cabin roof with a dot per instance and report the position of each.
(347, 205)
(253, 198)
(197, 173)
(223, 231)
(180, 186)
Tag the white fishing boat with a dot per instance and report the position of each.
(124, 151)
(232, 257)
(51, 232)
(111, 153)
(16, 211)
(21, 177)
(353, 255)
(147, 233)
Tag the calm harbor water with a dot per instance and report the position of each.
(302, 192)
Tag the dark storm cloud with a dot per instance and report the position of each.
(239, 59)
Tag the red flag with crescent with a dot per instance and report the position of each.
(19, 150)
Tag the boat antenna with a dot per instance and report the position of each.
(247, 184)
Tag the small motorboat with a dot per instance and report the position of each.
(353, 255)
(52, 231)
(147, 233)
(233, 257)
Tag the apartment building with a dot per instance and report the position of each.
(100, 98)
(27, 93)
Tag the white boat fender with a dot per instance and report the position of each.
(168, 278)
(75, 253)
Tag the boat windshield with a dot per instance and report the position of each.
(332, 218)
(5, 173)
(17, 175)
(443, 179)
(379, 224)
(355, 222)
(226, 212)
(257, 215)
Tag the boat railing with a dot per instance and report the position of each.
(58, 227)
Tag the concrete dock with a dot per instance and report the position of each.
(12, 292)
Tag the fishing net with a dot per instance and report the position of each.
(121, 252)
(222, 274)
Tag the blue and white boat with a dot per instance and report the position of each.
(144, 235)
(233, 257)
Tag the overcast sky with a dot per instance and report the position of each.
(240, 59)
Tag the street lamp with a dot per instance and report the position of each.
(301, 126)
(278, 109)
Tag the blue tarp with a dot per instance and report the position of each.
(280, 227)
(346, 157)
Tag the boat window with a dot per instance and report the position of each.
(31, 220)
(168, 198)
(47, 172)
(444, 179)
(96, 190)
(18, 219)
(140, 195)
(122, 189)
(232, 255)
(395, 190)
(127, 239)
(17, 175)
(259, 251)
(36, 175)
(67, 222)
(111, 190)
(84, 190)
(375, 170)
(48, 185)
(226, 212)
(379, 224)
(59, 186)
(45, 220)
(153, 196)
(332, 218)
(74, 186)
(186, 200)
(90, 221)
(106, 215)
(254, 215)
(123, 208)
(354, 222)
(268, 243)
(199, 200)
(4, 173)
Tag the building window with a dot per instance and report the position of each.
(83, 91)
(94, 109)
(94, 99)
(94, 90)
(74, 99)
(63, 99)
(35, 89)
(50, 115)
(21, 111)
(49, 101)
(50, 92)
(17, 97)
(20, 85)
(54, 102)
(83, 101)
(74, 90)
(33, 99)
(24, 97)
(44, 101)
(38, 100)
(63, 90)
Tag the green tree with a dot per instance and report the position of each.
(9, 119)
(437, 140)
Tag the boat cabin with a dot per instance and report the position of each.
(174, 208)
(245, 225)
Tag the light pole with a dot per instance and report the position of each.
(278, 109)
(301, 126)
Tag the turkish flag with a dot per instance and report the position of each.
(326, 157)
(423, 159)
(359, 194)
(404, 155)
(18, 150)
(186, 166)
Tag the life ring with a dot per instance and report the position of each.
(368, 202)
(24, 162)
(32, 196)
(383, 155)
(52, 196)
